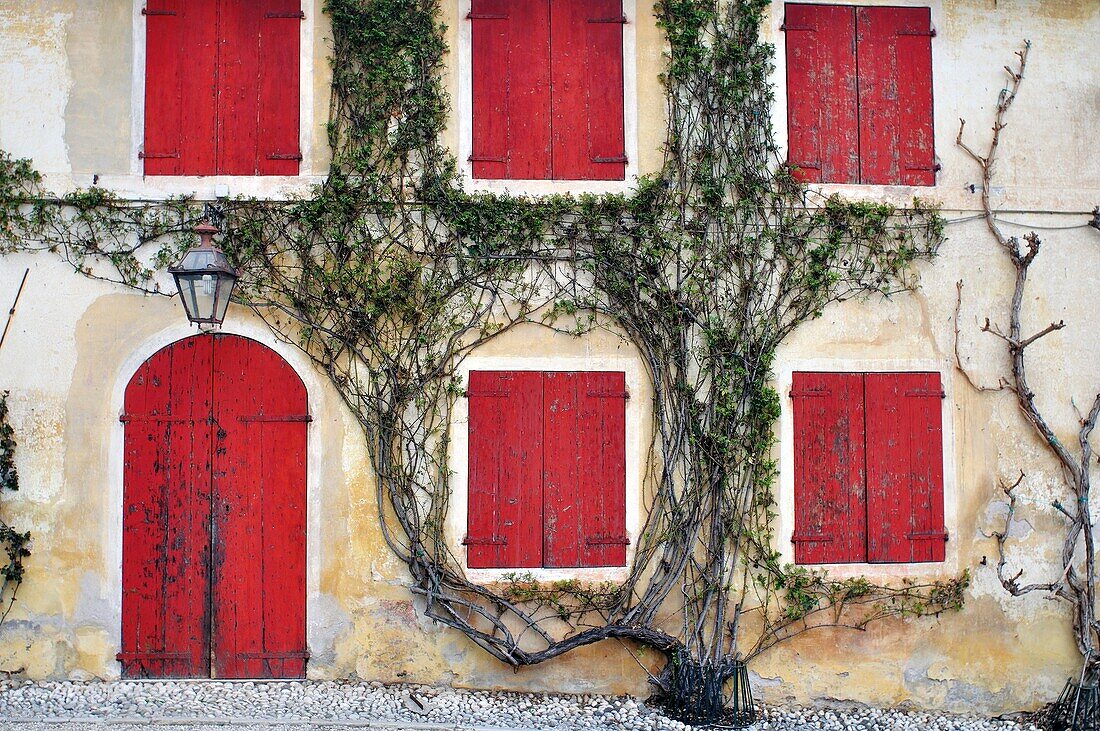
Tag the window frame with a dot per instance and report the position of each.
(211, 186)
(458, 510)
(785, 521)
(897, 193)
(464, 120)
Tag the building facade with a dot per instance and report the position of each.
(151, 99)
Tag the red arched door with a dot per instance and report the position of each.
(214, 491)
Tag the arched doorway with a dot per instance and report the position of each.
(214, 495)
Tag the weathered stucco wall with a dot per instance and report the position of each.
(67, 71)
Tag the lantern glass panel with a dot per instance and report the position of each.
(199, 258)
(221, 301)
(198, 291)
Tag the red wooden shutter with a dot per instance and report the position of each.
(504, 518)
(822, 121)
(166, 523)
(510, 49)
(180, 60)
(829, 487)
(259, 497)
(895, 96)
(584, 482)
(904, 467)
(279, 150)
(258, 87)
(586, 70)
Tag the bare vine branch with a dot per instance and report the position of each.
(1077, 577)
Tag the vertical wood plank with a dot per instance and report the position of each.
(237, 549)
(895, 96)
(563, 471)
(279, 150)
(829, 469)
(510, 78)
(905, 468)
(822, 123)
(180, 58)
(586, 70)
(166, 530)
(504, 523)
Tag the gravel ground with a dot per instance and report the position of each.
(294, 706)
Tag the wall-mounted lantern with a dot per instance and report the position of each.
(205, 279)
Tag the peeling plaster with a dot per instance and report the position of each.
(36, 79)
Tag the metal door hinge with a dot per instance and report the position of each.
(810, 538)
(935, 535)
(486, 541)
(606, 540)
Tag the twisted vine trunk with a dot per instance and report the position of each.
(695, 691)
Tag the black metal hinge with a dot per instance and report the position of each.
(606, 540)
(935, 535)
(287, 655)
(930, 33)
(810, 394)
(289, 417)
(609, 394)
(131, 656)
(925, 393)
(810, 538)
(486, 541)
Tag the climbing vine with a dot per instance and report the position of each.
(390, 274)
(14, 544)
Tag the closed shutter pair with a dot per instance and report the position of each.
(546, 469)
(222, 87)
(859, 94)
(868, 468)
(548, 89)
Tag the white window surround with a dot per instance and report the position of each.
(464, 107)
(211, 186)
(459, 459)
(895, 194)
(784, 523)
(111, 532)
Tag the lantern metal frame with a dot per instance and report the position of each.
(198, 266)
